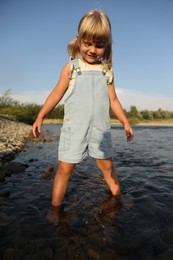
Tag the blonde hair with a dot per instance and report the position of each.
(94, 25)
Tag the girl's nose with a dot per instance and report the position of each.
(93, 49)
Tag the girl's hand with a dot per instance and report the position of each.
(36, 128)
(129, 132)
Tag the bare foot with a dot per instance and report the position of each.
(112, 202)
(54, 215)
(109, 208)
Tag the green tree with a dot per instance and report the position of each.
(5, 99)
(147, 115)
(162, 114)
(134, 113)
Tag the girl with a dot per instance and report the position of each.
(86, 126)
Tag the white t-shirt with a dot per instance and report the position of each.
(85, 67)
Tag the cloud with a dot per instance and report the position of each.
(32, 97)
(144, 101)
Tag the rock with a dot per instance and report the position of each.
(2, 175)
(93, 254)
(3, 219)
(109, 209)
(36, 139)
(46, 175)
(42, 139)
(48, 252)
(5, 194)
(167, 254)
(10, 253)
(13, 136)
(14, 168)
(50, 168)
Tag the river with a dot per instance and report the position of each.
(143, 228)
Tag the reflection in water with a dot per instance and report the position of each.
(142, 227)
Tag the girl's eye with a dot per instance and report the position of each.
(100, 46)
(97, 45)
(87, 44)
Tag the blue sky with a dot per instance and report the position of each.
(34, 35)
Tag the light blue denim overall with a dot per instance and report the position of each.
(86, 125)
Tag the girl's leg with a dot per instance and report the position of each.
(110, 175)
(60, 183)
(110, 207)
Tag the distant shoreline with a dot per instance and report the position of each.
(116, 122)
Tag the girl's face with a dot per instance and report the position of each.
(91, 52)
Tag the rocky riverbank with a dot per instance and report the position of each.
(13, 136)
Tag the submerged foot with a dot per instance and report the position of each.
(112, 202)
(54, 215)
(109, 208)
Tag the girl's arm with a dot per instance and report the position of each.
(118, 111)
(53, 99)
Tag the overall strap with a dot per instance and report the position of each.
(75, 66)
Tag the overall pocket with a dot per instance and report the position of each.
(106, 142)
(65, 138)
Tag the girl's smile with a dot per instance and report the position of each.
(91, 52)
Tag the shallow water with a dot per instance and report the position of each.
(143, 229)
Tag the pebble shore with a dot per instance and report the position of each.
(13, 136)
